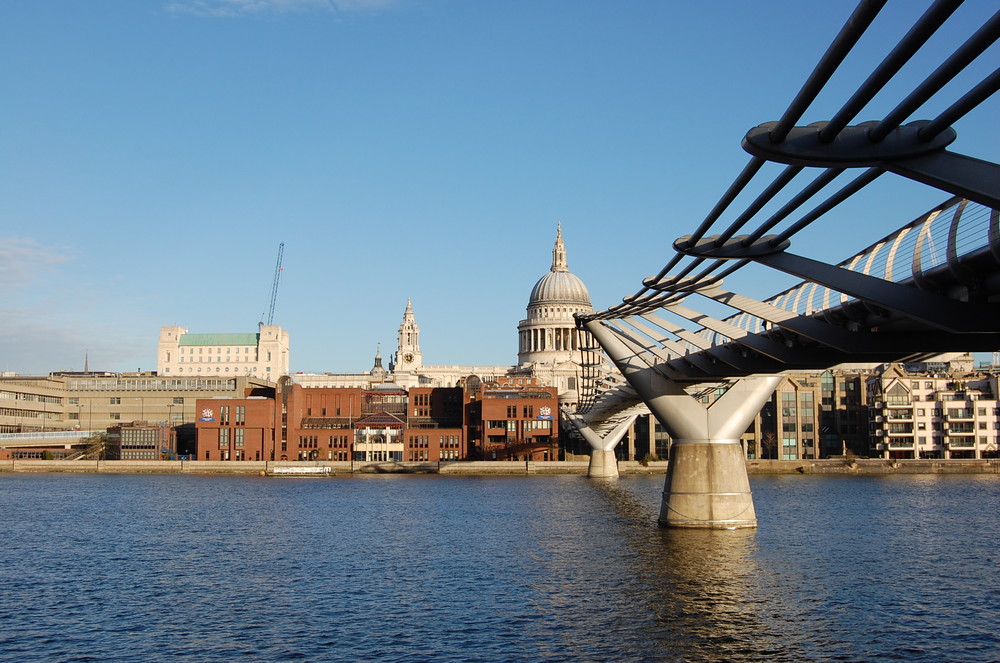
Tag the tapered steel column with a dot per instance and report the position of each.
(603, 464)
(706, 484)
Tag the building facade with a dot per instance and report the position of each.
(812, 415)
(933, 411)
(264, 354)
(92, 402)
(140, 440)
(514, 418)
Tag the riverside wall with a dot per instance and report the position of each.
(331, 468)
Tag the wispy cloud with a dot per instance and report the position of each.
(227, 8)
(21, 259)
(37, 342)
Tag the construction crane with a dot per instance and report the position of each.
(267, 317)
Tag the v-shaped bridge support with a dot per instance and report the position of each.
(706, 484)
(603, 464)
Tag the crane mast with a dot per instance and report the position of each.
(267, 317)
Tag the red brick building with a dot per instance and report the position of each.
(512, 418)
(382, 423)
(235, 428)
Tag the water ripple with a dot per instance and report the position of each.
(404, 568)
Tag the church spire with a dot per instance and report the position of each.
(559, 252)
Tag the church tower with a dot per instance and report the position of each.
(408, 357)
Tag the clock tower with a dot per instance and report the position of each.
(408, 356)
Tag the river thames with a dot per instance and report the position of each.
(433, 568)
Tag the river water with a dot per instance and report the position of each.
(433, 568)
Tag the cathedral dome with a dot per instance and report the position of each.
(559, 286)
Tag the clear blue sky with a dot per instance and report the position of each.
(153, 154)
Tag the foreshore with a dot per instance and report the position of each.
(332, 468)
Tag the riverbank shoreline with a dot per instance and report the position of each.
(518, 468)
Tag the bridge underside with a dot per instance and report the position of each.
(928, 288)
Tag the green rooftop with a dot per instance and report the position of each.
(219, 339)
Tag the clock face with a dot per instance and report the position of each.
(408, 357)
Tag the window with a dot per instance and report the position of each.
(114, 400)
(178, 400)
(115, 415)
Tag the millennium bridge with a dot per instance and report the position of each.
(928, 287)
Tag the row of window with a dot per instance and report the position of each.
(21, 396)
(966, 441)
(243, 359)
(218, 369)
(958, 413)
(237, 435)
(240, 418)
(132, 384)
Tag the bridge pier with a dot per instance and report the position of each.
(603, 464)
(706, 484)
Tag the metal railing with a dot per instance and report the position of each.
(926, 276)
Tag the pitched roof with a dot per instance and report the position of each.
(380, 420)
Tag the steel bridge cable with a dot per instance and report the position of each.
(985, 37)
(911, 42)
(860, 19)
(856, 25)
(977, 95)
(858, 183)
(773, 189)
(814, 187)
(740, 183)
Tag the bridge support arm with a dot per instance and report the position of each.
(603, 464)
(706, 484)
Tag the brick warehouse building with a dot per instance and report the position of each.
(514, 418)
